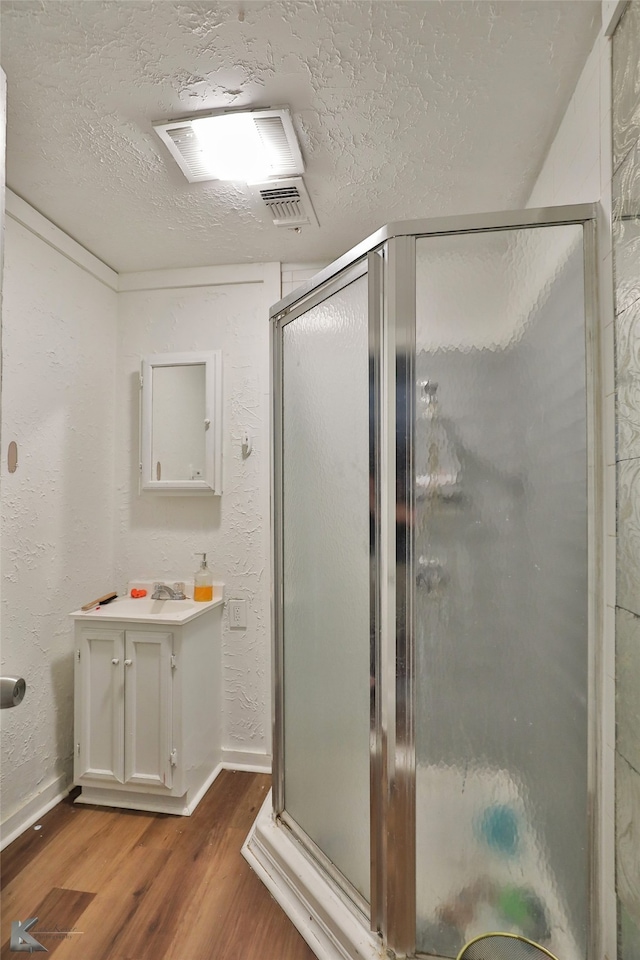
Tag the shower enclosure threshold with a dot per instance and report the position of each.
(333, 930)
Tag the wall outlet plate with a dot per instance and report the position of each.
(238, 614)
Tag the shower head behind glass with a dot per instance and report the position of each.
(437, 464)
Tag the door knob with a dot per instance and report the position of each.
(128, 663)
(115, 661)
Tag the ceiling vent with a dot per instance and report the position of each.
(234, 144)
(285, 203)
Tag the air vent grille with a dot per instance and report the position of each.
(285, 206)
(280, 193)
(285, 202)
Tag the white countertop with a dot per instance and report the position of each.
(146, 610)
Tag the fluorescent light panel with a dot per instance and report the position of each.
(233, 149)
(247, 145)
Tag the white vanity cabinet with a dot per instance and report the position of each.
(147, 710)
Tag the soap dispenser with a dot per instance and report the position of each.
(203, 581)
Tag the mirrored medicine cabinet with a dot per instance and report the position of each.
(181, 423)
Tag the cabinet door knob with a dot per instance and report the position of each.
(115, 661)
(128, 663)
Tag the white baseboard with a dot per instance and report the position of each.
(251, 761)
(17, 823)
(33, 810)
(330, 927)
(199, 794)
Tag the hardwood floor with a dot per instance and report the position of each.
(145, 886)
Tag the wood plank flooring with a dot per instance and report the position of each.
(143, 886)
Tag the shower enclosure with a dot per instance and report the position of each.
(435, 591)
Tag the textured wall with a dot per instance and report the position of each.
(59, 326)
(73, 524)
(578, 169)
(626, 254)
(158, 536)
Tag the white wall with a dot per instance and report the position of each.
(73, 524)
(59, 338)
(294, 275)
(577, 169)
(217, 308)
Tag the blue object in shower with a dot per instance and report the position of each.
(499, 828)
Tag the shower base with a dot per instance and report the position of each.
(333, 929)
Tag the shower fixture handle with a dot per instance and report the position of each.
(428, 388)
(431, 574)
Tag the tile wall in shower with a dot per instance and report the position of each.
(626, 253)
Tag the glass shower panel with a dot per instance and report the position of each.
(500, 547)
(325, 449)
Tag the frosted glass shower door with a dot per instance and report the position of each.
(325, 571)
(501, 589)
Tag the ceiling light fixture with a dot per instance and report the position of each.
(241, 145)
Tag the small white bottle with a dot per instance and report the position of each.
(203, 581)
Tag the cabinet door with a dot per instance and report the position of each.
(99, 705)
(148, 709)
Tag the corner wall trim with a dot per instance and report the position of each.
(228, 274)
(174, 279)
(26, 215)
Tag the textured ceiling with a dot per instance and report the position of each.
(403, 109)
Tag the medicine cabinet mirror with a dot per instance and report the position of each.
(181, 423)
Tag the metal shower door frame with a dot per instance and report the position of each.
(388, 257)
(314, 294)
